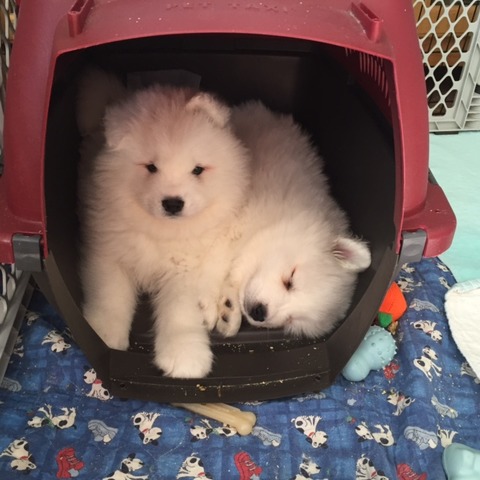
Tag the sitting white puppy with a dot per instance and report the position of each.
(296, 262)
(161, 179)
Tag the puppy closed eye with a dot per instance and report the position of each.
(198, 170)
(151, 167)
(288, 282)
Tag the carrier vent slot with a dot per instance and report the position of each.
(374, 68)
(371, 72)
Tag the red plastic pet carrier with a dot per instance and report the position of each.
(350, 72)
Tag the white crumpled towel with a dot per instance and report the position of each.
(462, 305)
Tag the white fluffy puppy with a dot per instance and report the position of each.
(166, 179)
(296, 262)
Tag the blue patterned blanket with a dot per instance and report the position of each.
(58, 421)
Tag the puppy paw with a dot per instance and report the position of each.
(184, 359)
(209, 312)
(229, 316)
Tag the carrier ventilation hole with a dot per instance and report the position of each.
(374, 68)
(446, 32)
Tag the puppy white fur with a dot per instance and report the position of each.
(157, 201)
(296, 262)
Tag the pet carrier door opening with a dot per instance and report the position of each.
(350, 130)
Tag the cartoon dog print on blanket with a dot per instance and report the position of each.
(444, 282)
(144, 421)
(445, 436)
(399, 400)
(127, 467)
(31, 317)
(307, 469)
(426, 363)
(383, 437)
(308, 426)
(192, 468)
(201, 432)
(407, 284)
(59, 345)
(66, 420)
(97, 389)
(365, 470)
(22, 459)
(428, 327)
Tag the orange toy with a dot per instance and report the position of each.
(393, 306)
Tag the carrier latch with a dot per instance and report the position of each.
(27, 252)
(413, 246)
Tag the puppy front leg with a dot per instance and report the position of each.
(230, 300)
(182, 345)
(229, 309)
(110, 298)
(211, 281)
(220, 290)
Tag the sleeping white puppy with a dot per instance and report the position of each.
(161, 180)
(296, 263)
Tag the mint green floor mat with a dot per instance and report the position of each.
(455, 163)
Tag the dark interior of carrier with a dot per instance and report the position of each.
(352, 133)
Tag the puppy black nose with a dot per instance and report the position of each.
(172, 205)
(258, 312)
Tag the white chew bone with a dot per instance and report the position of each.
(243, 422)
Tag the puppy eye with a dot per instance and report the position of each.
(288, 283)
(198, 170)
(151, 168)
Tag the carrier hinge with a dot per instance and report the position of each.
(27, 252)
(413, 246)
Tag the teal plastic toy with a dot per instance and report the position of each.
(461, 462)
(375, 352)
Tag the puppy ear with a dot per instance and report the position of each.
(353, 254)
(217, 112)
